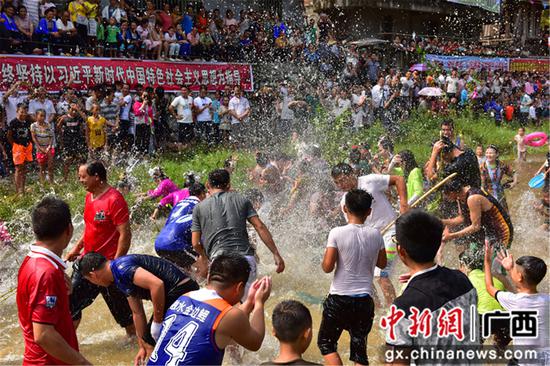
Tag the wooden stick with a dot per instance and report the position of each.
(421, 198)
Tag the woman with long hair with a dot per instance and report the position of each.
(412, 173)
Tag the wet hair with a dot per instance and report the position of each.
(90, 262)
(532, 268)
(196, 189)
(219, 178)
(96, 168)
(341, 169)
(229, 269)
(157, 172)
(290, 319)
(408, 161)
(355, 156)
(471, 259)
(448, 123)
(421, 245)
(50, 218)
(254, 195)
(190, 179)
(494, 147)
(452, 186)
(262, 159)
(386, 143)
(41, 110)
(358, 202)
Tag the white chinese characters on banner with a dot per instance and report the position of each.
(55, 73)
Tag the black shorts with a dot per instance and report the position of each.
(181, 258)
(85, 292)
(354, 314)
(74, 149)
(186, 132)
(171, 297)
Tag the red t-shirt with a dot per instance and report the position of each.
(42, 298)
(101, 217)
(509, 112)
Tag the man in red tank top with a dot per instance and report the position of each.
(106, 231)
(42, 292)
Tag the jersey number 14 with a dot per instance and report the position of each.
(175, 349)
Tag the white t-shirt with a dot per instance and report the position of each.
(358, 247)
(205, 115)
(61, 26)
(125, 108)
(239, 106)
(47, 105)
(183, 108)
(452, 84)
(538, 302)
(11, 106)
(532, 112)
(170, 38)
(382, 211)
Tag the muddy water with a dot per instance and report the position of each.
(301, 243)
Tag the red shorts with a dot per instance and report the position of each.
(21, 154)
(43, 157)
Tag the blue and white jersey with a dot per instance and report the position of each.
(188, 331)
(176, 234)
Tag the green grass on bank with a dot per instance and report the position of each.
(417, 134)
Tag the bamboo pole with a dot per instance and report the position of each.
(420, 199)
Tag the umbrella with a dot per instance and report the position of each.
(419, 67)
(431, 92)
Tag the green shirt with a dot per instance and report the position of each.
(415, 184)
(485, 302)
(112, 32)
(100, 31)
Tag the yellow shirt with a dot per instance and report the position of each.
(76, 9)
(97, 131)
(92, 9)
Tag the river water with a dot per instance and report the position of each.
(301, 244)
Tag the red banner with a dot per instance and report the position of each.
(529, 64)
(55, 72)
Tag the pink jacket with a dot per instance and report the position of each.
(165, 187)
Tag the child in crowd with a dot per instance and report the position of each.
(480, 154)
(171, 45)
(292, 326)
(42, 134)
(521, 147)
(113, 36)
(526, 273)
(471, 264)
(355, 250)
(96, 135)
(100, 38)
(5, 237)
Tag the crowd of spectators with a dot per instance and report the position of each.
(120, 29)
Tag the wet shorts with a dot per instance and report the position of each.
(43, 158)
(21, 154)
(354, 314)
